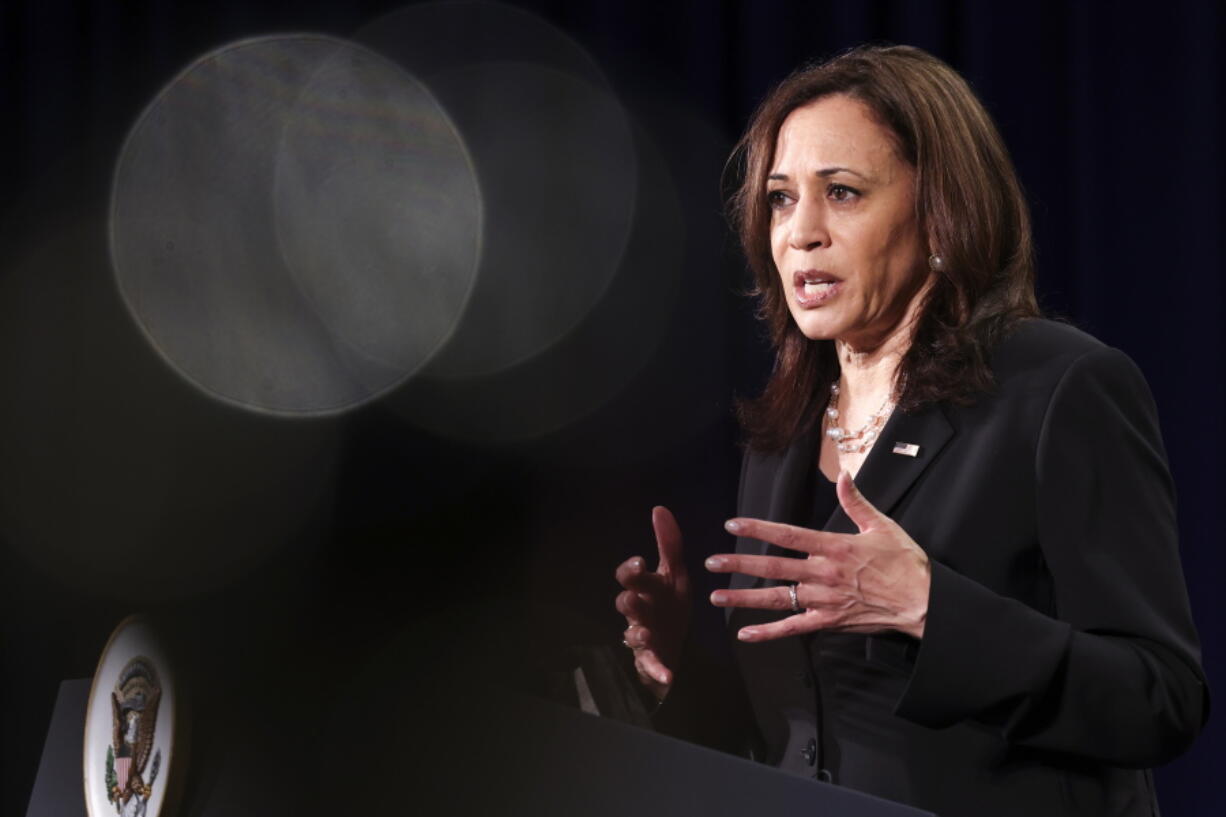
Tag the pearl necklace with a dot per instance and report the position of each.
(862, 439)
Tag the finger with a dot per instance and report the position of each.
(668, 541)
(791, 537)
(766, 567)
(637, 637)
(649, 665)
(766, 598)
(857, 508)
(631, 567)
(632, 574)
(808, 596)
(634, 607)
(807, 622)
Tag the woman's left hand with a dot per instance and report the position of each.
(868, 582)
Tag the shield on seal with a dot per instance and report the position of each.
(123, 765)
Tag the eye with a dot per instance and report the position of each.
(841, 192)
(777, 199)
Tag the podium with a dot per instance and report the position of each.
(446, 750)
(57, 786)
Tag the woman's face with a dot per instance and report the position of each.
(844, 234)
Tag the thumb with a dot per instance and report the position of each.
(668, 540)
(857, 508)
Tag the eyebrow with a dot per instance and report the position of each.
(824, 173)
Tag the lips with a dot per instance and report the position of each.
(814, 287)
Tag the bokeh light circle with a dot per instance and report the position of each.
(554, 152)
(295, 224)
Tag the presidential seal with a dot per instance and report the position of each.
(134, 704)
(130, 726)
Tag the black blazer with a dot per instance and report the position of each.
(1059, 660)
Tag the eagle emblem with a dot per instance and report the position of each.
(134, 707)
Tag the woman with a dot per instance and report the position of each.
(956, 581)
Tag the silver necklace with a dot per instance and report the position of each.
(862, 439)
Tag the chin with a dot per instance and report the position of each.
(813, 327)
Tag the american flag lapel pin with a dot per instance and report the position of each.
(906, 449)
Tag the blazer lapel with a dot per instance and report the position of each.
(908, 444)
(884, 478)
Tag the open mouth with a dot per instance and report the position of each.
(813, 287)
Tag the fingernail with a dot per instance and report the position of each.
(747, 633)
(715, 563)
(718, 597)
(732, 526)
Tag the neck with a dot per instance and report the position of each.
(868, 375)
(870, 368)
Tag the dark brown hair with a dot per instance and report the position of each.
(967, 199)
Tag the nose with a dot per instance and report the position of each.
(808, 225)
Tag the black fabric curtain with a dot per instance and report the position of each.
(1114, 116)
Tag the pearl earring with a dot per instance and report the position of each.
(936, 262)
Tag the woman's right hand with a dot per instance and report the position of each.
(656, 606)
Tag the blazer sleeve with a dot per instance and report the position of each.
(1115, 674)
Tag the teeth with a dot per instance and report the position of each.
(813, 289)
